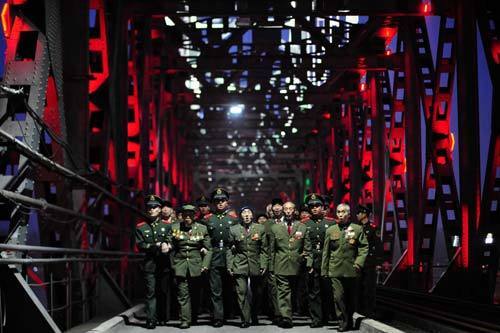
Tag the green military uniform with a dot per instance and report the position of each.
(316, 228)
(368, 280)
(344, 254)
(247, 257)
(218, 225)
(288, 247)
(155, 264)
(191, 252)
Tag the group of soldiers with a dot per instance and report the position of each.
(253, 258)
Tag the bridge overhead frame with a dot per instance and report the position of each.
(265, 99)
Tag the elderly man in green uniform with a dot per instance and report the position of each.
(344, 254)
(368, 280)
(316, 225)
(152, 238)
(288, 247)
(247, 261)
(191, 256)
(218, 225)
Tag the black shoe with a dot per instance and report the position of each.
(150, 324)
(286, 323)
(316, 325)
(184, 325)
(343, 327)
(276, 321)
(217, 323)
(244, 325)
(162, 323)
(255, 321)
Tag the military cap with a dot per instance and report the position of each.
(245, 207)
(153, 200)
(277, 201)
(202, 201)
(313, 199)
(364, 209)
(220, 193)
(188, 207)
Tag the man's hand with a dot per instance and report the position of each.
(311, 270)
(203, 251)
(263, 271)
(357, 268)
(165, 247)
(230, 271)
(204, 269)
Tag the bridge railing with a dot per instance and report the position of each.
(68, 286)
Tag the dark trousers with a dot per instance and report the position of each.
(344, 297)
(156, 295)
(367, 292)
(187, 296)
(300, 301)
(284, 286)
(314, 293)
(247, 291)
(221, 293)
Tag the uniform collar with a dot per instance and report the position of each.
(222, 214)
(316, 218)
(156, 221)
(343, 226)
(185, 226)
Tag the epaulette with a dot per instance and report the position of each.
(206, 217)
(166, 222)
(232, 214)
(304, 220)
(140, 224)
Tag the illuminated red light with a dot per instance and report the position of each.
(362, 87)
(495, 51)
(6, 20)
(426, 8)
(327, 115)
(314, 131)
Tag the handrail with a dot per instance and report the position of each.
(51, 165)
(43, 204)
(27, 261)
(46, 249)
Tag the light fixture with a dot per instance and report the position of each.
(169, 22)
(236, 109)
(489, 238)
